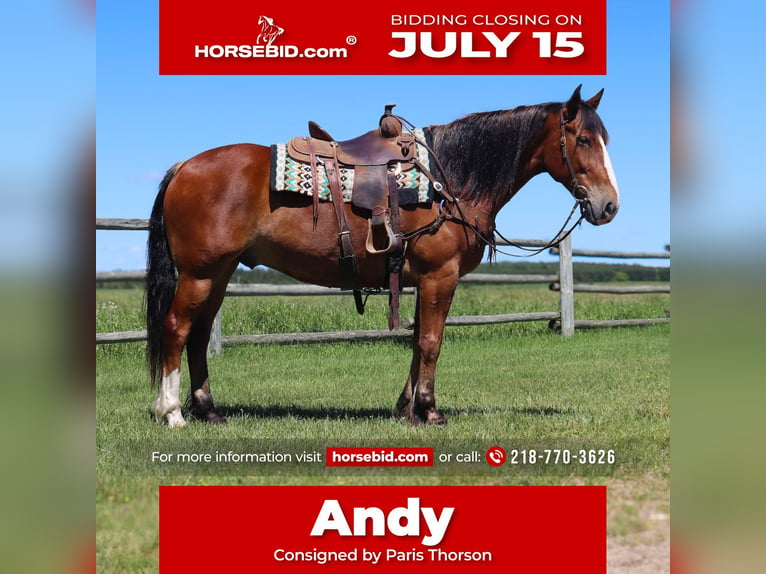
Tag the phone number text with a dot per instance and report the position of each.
(561, 456)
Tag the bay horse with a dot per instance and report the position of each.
(215, 211)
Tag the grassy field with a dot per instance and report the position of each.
(520, 386)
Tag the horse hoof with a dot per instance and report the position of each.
(432, 418)
(207, 416)
(404, 410)
(175, 419)
(214, 418)
(437, 420)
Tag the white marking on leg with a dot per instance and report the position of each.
(609, 168)
(167, 405)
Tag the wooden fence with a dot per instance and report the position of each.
(562, 282)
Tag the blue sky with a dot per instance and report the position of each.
(720, 211)
(47, 106)
(146, 122)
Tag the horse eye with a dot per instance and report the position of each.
(583, 140)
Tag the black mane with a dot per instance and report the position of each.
(485, 152)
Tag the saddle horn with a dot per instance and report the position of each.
(390, 125)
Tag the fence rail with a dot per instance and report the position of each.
(120, 223)
(617, 254)
(562, 319)
(255, 289)
(615, 289)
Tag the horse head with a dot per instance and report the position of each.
(576, 156)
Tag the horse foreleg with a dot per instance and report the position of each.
(200, 404)
(404, 404)
(434, 299)
(191, 294)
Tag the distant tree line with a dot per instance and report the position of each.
(583, 273)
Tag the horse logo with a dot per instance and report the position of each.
(269, 30)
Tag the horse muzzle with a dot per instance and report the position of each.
(599, 211)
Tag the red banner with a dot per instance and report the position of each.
(427, 37)
(478, 529)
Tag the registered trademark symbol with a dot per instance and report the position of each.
(350, 40)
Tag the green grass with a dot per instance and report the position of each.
(516, 385)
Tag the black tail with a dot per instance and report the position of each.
(160, 280)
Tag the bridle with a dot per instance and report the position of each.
(578, 191)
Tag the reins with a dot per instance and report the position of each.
(578, 191)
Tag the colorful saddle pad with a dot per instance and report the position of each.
(288, 174)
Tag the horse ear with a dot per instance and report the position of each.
(595, 100)
(573, 105)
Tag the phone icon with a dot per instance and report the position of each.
(496, 456)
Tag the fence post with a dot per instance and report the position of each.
(214, 345)
(566, 281)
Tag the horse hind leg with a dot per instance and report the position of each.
(200, 403)
(167, 405)
(190, 297)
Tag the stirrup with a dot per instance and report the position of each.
(394, 242)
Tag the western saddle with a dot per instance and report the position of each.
(375, 157)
